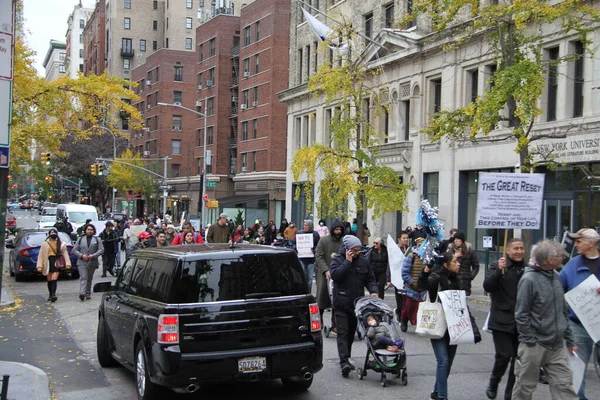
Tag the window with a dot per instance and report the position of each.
(61, 68)
(210, 106)
(167, 43)
(177, 96)
(431, 188)
(176, 147)
(245, 98)
(189, 3)
(316, 54)
(82, 23)
(386, 125)
(126, 3)
(201, 3)
(552, 84)
(257, 31)
(211, 75)
(142, 45)
(246, 36)
(299, 63)
(81, 38)
(188, 43)
(409, 10)
(246, 65)
(244, 162)
(256, 94)
(579, 52)
(178, 74)
(209, 136)
(154, 45)
(127, 23)
(127, 46)
(368, 18)
(435, 92)
(176, 122)
(254, 157)
(126, 64)
(154, 25)
(254, 129)
(244, 130)
(256, 63)
(80, 53)
(406, 118)
(188, 23)
(201, 52)
(472, 84)
(62, 57)
(389, 15)
(212, 47)
(155, 4)
(200, 137)
(175, 170)
(307, 54)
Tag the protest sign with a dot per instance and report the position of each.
(578, 369)
(585, 303)
(568, 244)
(395, 259)
(304, 245)
(509, 201)
(457, 316)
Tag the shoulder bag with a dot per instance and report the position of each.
(431, 320)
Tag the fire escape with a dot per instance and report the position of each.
(233, 138)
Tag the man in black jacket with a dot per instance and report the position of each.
(109, 240)
(351, 273)
(502, 282)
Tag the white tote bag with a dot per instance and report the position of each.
(431, 322)
(457, 316)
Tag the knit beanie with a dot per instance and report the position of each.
(351, 242)
(459, 235)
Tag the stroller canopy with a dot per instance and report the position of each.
(365, 305)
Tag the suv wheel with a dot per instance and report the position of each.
(146, 390)
(103, 346)
(296, 383)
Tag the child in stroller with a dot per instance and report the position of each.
(385, 348)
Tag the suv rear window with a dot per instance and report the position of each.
(245, 277)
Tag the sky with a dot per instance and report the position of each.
(45, 20)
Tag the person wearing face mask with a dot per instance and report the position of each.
(50, 249)
(290, 232)
(322, 229)
(270, 233)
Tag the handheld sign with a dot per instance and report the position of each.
(304, 245)
(585, 303)
(487, 242)
(509, 201)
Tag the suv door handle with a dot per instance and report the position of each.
(118, 308)
(106, 298)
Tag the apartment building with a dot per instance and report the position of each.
(420, 79)
(74, 38)
(94, 48)
(54, 62)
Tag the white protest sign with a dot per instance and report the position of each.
(395, 259)
(457, 316)
(487, 242)
(578, 369)
(585, 303)
(509, 201)
(304, 245)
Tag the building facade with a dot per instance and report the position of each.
(54, 62)
(419, 79)
(94, 48)
(74, 38)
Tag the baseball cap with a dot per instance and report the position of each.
(224, 215)
(587, 233)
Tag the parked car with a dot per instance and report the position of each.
(25, 248)
(10, 224)
(46, 221)
(26, 205)
(48, 209)
(13, 206)
(185, 316)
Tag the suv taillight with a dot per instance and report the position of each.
(168, 329)
(315, 317)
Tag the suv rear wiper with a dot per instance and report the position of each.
(262, 295)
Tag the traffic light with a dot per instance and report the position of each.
(45, 158)
(9, 178)
(50, 179)
(94, 169)
(100, 169)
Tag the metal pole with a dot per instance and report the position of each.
(4, 394)
(203, 180)
(165, 193)
(112, 207)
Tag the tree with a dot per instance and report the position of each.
(45, 113)
(514, 32)
(125, 178)
(346, 165)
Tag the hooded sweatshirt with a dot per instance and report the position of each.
(328, 246)
(316, 238)
(540, 311)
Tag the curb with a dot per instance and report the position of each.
(26, 380)
(7, 297)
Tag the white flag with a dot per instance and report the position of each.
(324, 33)
(396, 259)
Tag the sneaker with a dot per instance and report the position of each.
(53, 299)
(81, 297)
(434, 396)
(110, 271)
(49, 298)
(396, 315)
(88, 297)
(346, 368)
(404, 326)
(103, 276)
(491, 392)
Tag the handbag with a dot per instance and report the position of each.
(60, 262)
(431, 320)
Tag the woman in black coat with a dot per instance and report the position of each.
(467, 259)
(378, 258)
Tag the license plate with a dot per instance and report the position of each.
(252, 364)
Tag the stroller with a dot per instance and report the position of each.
(379, 360)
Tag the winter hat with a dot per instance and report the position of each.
(351, 242)
(460, 235)
(310, 225)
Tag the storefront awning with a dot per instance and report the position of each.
(231, 201)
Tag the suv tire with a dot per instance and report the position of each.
(103, 346)
(145, 389)
(296, 383)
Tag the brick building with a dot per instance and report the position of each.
(94, 50)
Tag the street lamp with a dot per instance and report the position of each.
(203, 180)
(112, 207)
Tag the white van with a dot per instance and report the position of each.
(77, 213)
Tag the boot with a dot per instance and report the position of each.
(404, 325)
(49, 291)
(53, 287)
(492, 391)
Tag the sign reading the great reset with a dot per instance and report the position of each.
(509, 201)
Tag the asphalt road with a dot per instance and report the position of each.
(60, 338)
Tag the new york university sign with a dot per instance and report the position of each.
(579, 148)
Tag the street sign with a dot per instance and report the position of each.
(4, 157)
(487, 242)
(211, 184)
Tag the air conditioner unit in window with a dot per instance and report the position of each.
(147, 129)
(146, 153)
(198, 103)
(148, 82)
(199, 87)
(234, 99)
(149, 106)
(176, 128)
(255, 104)
(177, 103)
(243, 106)
(209, 83)
(246, 74)
(244, 169)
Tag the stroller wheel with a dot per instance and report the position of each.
(403, 377)
(326, 331)
(360, 373)
(383, 380)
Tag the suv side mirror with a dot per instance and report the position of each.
(9, 244)
(102, 287)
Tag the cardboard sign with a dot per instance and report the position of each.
(395, 259)
(568, 244)
(304, 245)
(585, 303)
(457, 316)
(509, 201)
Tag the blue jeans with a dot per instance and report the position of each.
(585, 343)
(309, 270)
(444, 354)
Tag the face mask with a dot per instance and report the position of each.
(53, 235)
(321, 223)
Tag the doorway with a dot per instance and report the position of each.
(558, 218)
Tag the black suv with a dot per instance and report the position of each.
(184, 316)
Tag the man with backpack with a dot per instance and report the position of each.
(187, 227)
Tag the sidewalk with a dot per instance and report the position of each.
(477, 293)
(26, 382)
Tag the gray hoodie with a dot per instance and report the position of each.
(540, 311)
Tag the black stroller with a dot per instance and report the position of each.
(379, 360)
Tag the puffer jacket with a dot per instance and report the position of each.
(411, 269)
(378, 260)
(350, 280)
